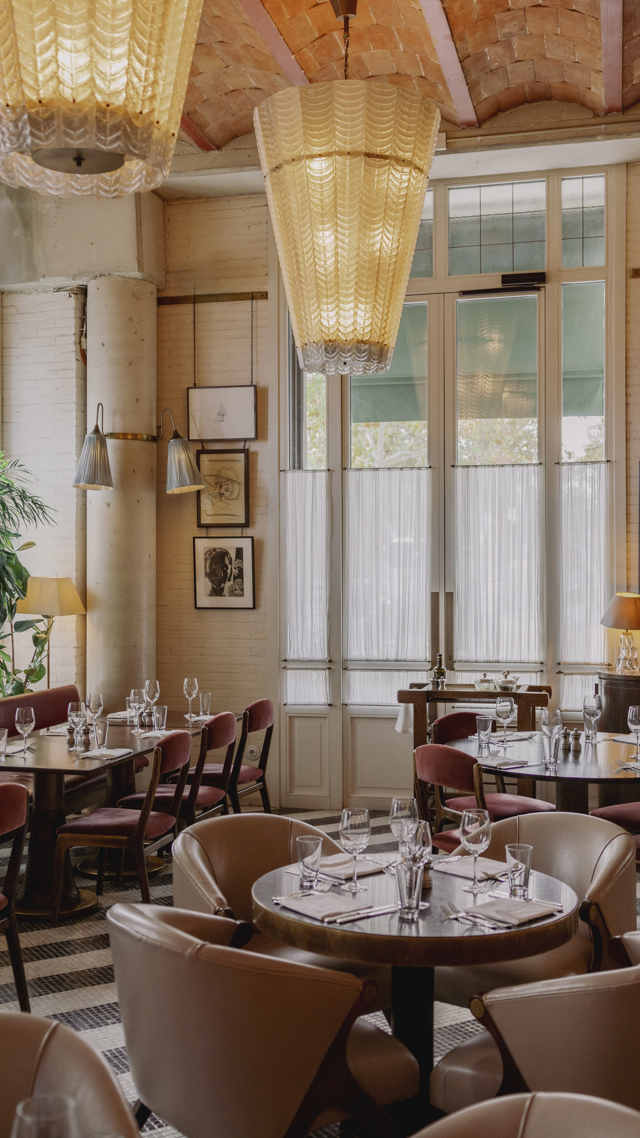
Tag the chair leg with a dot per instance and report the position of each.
(102, 862)
(141, 866)
(266, 802)
(17, 963)
(119, 867)
(235, 801)
(58, 878)
(141, 1113)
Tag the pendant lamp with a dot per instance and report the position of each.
(91, 92)
(94, 470)
(182, 473)
(346, 166)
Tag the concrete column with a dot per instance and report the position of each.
(121, 523)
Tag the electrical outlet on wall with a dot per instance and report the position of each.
(252, 752)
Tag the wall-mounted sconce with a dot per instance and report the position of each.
(94, 471)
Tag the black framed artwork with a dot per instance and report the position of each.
(223, 572)
(222, 413)
(224, 501)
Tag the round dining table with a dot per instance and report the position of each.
(415, 948)
(599, 763)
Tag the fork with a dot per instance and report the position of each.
(453, 913)
(323, 887)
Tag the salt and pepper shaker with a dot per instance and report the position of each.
(71, 735)
(566, 739)
(576, 745)
(85, 736)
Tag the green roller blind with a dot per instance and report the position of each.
(398, 395)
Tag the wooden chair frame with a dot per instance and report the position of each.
(237, 790)
(8, 923)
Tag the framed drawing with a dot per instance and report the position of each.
(223, 572)
(225, 498)
(225, 413)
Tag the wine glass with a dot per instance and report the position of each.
(25, 723)
(403, 811)
(190, 689)
(94, 705)
(551, 726)
(152, 691)
(591, 712)
(505, 711)
(475, 835)
(355, 833)
(137, 701)
(46, 1116)
(76, 715)
(633, 719)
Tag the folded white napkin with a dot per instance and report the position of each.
(123, 715)
(511, 912)
(404, 722)
(17, 748)
(157, 734)
(322, 905)
(631, 765)
(341, 865)
(512, 736)
(107, 753)
(61, 729)
(200, 718)
(624, 739)
(464, 867)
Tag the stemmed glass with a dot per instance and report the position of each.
(190, 689)
(402, 812)
(551, 726)
(151, 691)
(475, 835)
(94, 705)
(355, 834)
(46, 1116)
(76, 715)
(633, 719)
(591, 712)
(505, 711)
(136, 701)
(25, 723)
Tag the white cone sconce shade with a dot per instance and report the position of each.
(183, 475)
(94, 470)
(346, 166)
(91, 94)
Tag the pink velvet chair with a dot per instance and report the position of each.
(241, 778)
(623, 814)
(140, 831)
(455, 725)
(14, 806)
(208, 782)
(446, 767)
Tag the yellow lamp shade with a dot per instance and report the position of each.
(346, 166)
(623, 612)
(91, 92)
(51, 596)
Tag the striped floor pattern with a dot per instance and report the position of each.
(70, 974)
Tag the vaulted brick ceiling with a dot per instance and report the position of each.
(504, 53)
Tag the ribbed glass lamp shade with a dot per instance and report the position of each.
(346, 166)
(182, 473)
(91, 92)
(94, 471)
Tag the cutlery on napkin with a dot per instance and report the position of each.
(511, 912)
(528, 901)
(487, 869)
(157, 734)
(17, 748)
(107, 753)
(61, 729)
(340, 866)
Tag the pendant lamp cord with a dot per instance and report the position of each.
(195, 381)
(345, 36)
(252, 339)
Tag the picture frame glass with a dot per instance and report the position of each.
(224, 575)
(225, 498)
(222, 412)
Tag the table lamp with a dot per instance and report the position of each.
(51, 597)
(624, 613)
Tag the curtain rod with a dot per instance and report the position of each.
(213, 297)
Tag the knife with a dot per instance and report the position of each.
(360, 914)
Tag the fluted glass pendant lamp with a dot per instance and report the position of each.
(94, 470)
(346, 166)
(91, 92)
(183, 475)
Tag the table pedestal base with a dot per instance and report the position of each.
(572, 796)
(88, 867)
(36, 899)
(87, 901)
(412, 991)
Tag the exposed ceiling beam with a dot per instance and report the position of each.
(262, 22)
(195, 134)
(436, 18)
(611, 33)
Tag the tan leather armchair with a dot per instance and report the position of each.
(539, 1116)
(216, 862)
(39, 1056)
(257, 1045)
(577, 1034)
(598, 862)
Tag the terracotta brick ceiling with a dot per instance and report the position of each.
(511, 52)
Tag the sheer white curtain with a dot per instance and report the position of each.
(306, 686)
(378, 688)
(497, 571)
(387, 565)
(307, 564)
(584, 581)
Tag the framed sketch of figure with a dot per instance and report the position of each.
(223, 572)
(226, 413)
(225, 498)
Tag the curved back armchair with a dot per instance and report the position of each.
(258, 1045)
(538, 1116)
(40, 1056)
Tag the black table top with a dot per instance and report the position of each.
(600, 763)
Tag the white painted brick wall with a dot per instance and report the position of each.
(220, 244)
(633, 371)
(43, 425)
